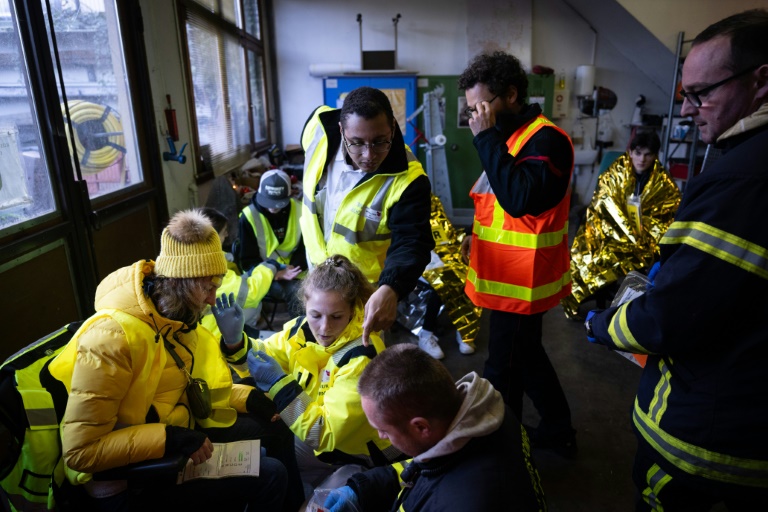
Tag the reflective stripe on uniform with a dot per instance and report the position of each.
(621, 336)
(720, 244)
(282, 251)
(525, 240)
(700, 461)
(656, 478)
(370, 225)
(658, 405)
(516, 291)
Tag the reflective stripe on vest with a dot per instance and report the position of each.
(720, 244)
(370, 222)
(505, 250)
(699, 461)
(265, 236)
(28, 484)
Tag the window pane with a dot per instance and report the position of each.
(258, 103)
(218, 80)
(251, 9)
(230, 9)
(25, 184)
(96, 86)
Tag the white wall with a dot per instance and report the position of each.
(164, 61)
(430, 41)
(435, 41)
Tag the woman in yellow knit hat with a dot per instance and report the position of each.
(127, 373)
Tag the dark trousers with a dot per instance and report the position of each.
(517, 364)
(658, 490)
(267, 492)
(277, 439)
(432, 311)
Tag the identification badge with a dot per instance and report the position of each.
(372, 214)
(634, 210)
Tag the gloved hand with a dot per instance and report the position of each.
(264, 369)
(184, 441)
(229, 318)
(652, 275)
(342, 499)
(588, 325)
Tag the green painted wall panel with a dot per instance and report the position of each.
(463, 164)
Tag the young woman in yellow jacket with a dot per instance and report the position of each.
(310, 370)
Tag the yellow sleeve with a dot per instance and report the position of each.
(101, 376)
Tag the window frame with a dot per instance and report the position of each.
(247, 43)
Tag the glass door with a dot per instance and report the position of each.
(78, 199)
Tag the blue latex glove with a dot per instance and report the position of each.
(264, 369)
(342, 499)
(652, 274)
(588, 325)
(229, 317)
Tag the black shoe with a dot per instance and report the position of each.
(563, 444)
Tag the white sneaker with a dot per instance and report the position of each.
(428, 343)
(464, 348)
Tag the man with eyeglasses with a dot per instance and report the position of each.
(518, 252)
(366, 196)
(701, 412)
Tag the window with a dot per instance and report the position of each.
(94, 100)
(227, 85)
(97, 110)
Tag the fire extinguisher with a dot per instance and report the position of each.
(170, 119)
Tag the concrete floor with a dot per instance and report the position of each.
(600, 386)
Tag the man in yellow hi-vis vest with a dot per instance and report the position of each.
(519, 261)
(366, 197)
(268, 229)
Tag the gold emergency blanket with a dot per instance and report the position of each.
(446, 275)
(609, 245)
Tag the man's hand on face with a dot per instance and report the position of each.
(482, 118)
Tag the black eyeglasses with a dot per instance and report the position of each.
(694, 97)
(359, 149)
(471, 110)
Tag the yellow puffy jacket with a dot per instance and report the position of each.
(116, 369)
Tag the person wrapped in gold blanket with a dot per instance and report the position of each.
(633, 205)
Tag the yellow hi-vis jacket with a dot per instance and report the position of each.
(360, 230)
(117, 360)
(318, 397)
(519, 265)
(268, 245)
(29, 483)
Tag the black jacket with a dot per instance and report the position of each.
(538, 177)
(412, 240)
